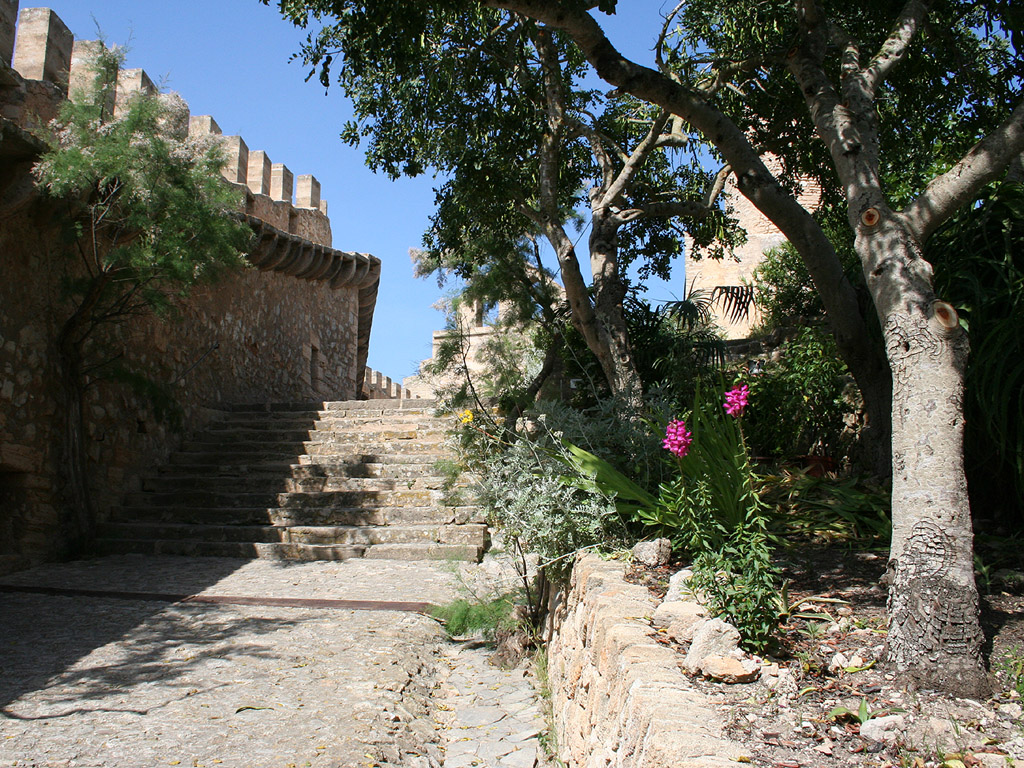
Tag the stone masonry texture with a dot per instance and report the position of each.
(619, 698)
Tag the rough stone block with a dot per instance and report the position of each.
(84, 68)
(258, 177)
(236, 169)
(129, 83)
(42, 50)
(8, 23)
(203, 125)
(281, 182)
(307, 192)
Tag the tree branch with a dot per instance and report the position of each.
(983, 163)
(893, 49)
(635, 161)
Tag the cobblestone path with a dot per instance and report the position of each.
(115, 682)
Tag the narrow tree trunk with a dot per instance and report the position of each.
(79, 517)
(935, 637)
(616, 353)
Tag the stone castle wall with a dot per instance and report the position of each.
(293, 326)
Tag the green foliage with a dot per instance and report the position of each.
(957, 81)
(713, 510)
(847, 510)
(1011, 668)
(524, 497)
(146, 215)
(803, 400)
(674, 349)
(863, 713)
(979, 268)
(465, 617)
(145, 211)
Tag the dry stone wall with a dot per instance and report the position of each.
(620, 699)
(294, 329)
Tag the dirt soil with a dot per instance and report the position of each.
(788, 718)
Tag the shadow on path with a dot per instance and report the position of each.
(46, 641)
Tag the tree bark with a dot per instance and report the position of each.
(79, 517)
(935, 638)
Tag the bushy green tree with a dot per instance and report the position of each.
(145, 215)
(497, 104)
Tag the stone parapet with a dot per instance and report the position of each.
(42, 48)
(48, 63)
(377, 386)
(8, 24)
(620, 699)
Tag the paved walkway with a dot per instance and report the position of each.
(103, 681)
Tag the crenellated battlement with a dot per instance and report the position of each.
(51, 66)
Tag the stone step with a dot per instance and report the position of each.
(336, 432)
(304, 483)
(265, 450)
(395, 407)
(470, 534)
(302, 499)
(423, 551)
(400, 468)
(318, 455)
(244, 549)
(297, 516)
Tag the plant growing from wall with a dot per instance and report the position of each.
(144, 213)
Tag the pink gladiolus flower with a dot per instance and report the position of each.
(677, 438)
(736, 400)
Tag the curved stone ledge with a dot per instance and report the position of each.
(297, 257)
(620, 698)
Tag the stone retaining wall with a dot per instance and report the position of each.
(619, 697)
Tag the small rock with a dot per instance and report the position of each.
(680, 618)
(1015, 748)
(726, 669)
(678, 586)
(653, 553)
(1011, 709)
(712, 637)
(883, 729)
(838, 664)
(933, 733)
(989, 760)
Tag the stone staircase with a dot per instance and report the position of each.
(297, 481)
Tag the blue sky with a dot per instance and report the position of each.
(230, 59)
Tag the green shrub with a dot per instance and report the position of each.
(804, 399)
(465, 617)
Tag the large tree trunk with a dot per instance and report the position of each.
(935, 638)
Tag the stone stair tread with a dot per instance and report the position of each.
(242, 549)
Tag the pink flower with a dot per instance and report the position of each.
(736, 400)
(677, 438)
